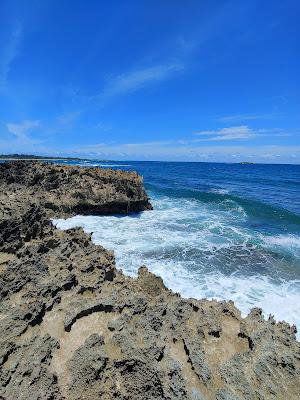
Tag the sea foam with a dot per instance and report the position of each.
(287, 243)
(201, 250)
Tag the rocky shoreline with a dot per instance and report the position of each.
(74, 327)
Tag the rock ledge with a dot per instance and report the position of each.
(74, 327)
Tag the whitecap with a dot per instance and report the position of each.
(288, 243)
(188, 244)
(114, 165)
(103, 165)
(219, 191)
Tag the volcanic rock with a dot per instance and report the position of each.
(74, 327)
(65, 190)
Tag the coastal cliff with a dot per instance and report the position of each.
(74, 327)
(67, 190)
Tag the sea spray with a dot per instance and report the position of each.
(204, 249)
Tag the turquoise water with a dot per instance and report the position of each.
(224, 231)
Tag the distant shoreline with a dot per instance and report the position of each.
(24, 157)
(33, 157)
(39, 159)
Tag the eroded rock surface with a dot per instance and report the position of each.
(67, 190)
(73, 327)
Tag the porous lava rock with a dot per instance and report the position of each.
(65, 190)
(74, 327)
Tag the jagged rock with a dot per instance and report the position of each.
(87, 367)
(67, 190)
(74, 327)
(27, 374)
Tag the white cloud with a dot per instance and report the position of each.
(8, 54)
(21, 131)
(68, 118)
(231, 133)
(248, 117)
(195, 148)
(189, 151)
(135, 80)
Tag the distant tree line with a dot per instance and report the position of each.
(34, 157)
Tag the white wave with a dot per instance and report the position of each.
(287, 243)
(186, 243)
(285, 240)
(90, 164)
(279, 299)
(114, 165)
(219, 191)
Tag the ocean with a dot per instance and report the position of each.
(222, 231)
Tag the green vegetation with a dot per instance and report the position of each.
(34, 157)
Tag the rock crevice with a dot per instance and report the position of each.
(74, 327)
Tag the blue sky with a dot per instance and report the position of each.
(151, 80)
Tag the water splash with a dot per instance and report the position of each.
(204, 250)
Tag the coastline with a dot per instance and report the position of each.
(69, 312)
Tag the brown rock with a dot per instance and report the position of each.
(73, 327)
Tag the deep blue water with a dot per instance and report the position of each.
(225, 231)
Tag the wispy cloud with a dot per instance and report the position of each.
(231, 133)
(248, 117)
(104, 127)
(68, 118)
(194, 148)
(137, 79)
(189, 151)
(8, 54)
(21, 131)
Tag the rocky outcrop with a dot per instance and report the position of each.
(67, 190)
(74, 327)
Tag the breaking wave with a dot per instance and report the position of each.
(206, 245)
